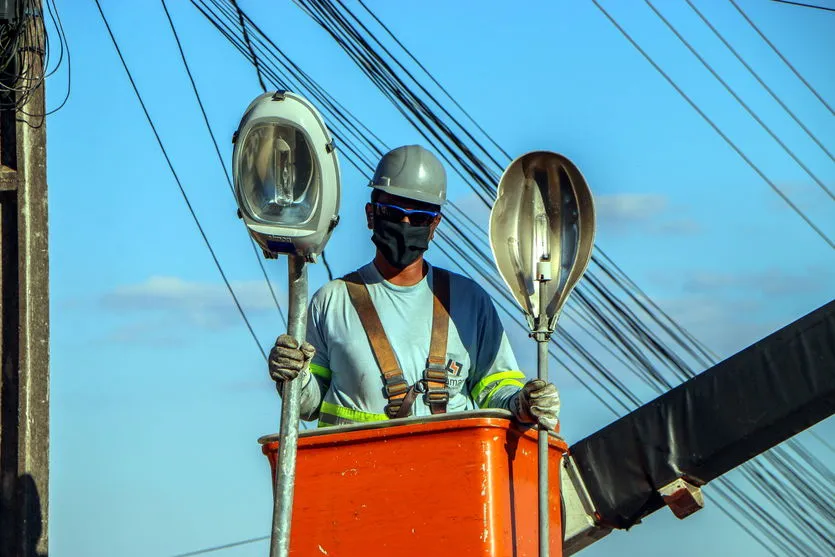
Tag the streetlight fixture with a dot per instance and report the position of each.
(287, 187)
(286, 175)
(542, 233)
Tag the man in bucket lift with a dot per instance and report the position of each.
(398, 328)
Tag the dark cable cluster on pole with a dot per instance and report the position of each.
(14, 34)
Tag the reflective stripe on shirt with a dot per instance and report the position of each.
(321, 371)
(503, 383)
(333, 414)
(488, 380)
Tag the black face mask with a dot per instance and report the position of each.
(400, 243)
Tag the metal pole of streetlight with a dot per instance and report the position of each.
(285, 470)
(542, 337)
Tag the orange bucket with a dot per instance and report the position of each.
(451, 485)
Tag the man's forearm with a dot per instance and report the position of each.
(502, 397)
(310, 398)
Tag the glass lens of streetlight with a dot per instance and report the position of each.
(277, 174)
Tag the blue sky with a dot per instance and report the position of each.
(159, 393)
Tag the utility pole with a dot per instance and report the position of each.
(24, 284)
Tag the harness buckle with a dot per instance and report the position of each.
(435, 381)
(436, 397)
(395, 385)
(438, 375)
(392, 408)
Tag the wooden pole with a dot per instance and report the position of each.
(24, 285)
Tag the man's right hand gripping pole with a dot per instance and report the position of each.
(288, 360)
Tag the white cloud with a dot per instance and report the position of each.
(725, 326)
(680, 227)
(642, 212)
(803, 194)
(629, 207)
(730, 310)
(156, 333)
(206, 305)
(768, 282)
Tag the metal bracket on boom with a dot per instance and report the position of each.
(682, 497)
(580, 522)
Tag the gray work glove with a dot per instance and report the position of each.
(537, 402)
(288, 360)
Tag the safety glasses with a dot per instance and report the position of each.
(393, 213)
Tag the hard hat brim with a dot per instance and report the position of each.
(411, 194)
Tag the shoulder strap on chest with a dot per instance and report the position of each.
(394, 384)
(400, 395)
(436, 375)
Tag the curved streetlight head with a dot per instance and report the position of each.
(286, 175)
(542, 232)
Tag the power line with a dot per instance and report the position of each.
(415, 106)
(341, 38)
(599, 370)
(610, 314)
(783, 58)
(264, 89)
(660, 349)
(805, 5)
(738, 99)
(418, 83)
(223, 166)
(370, 63)
(15, 61)
(219, 156)
(292, 77)
(179, 184)
(823, 441)
(760, 81)
(249, 45)
(716, 128)
(52, 9)
(327, 266)
(431, 77)
(224, 546)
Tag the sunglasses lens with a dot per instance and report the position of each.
(421, 219)
(392, 213)
(389, 213)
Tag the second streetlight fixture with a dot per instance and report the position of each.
(542, 234)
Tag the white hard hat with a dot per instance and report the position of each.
(411, 172)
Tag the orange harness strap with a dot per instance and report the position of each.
(400, 395)
(436, 375)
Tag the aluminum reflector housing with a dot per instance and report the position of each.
(286, 175)
(542, 223)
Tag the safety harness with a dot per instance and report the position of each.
(401, 396)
